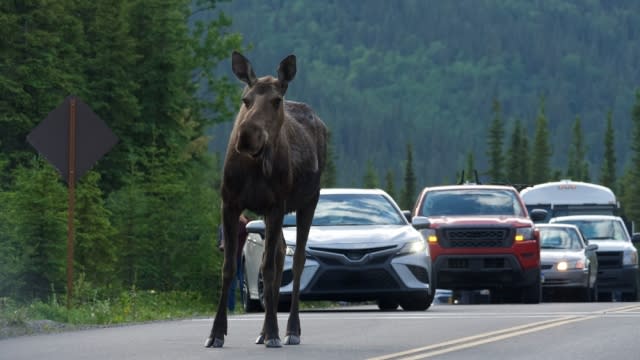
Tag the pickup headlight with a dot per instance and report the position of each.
(413, 247)
(525, 233)
(630, 257)
(570, 265)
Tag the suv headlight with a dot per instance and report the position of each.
(413, 247)
(630, 257)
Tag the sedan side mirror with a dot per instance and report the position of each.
(256, 227)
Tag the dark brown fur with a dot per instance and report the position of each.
(274, 160)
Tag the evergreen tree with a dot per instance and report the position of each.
(95, 252)
(518, 156)
(409, 191)
(328, 179)
(39, 209)
(608, 169)
(495, 145)
(370, 179)
(577, 168)
(470, 168)
(632, 185)
(541, 151)
(389, 185)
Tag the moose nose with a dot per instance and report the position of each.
(250, 141)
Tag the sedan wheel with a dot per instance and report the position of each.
(416, 302)
(387, 304)
(248, 304)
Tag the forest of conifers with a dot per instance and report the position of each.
(523, 91)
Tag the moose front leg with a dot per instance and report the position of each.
(304, 218)
(272, 262)
(230, 234)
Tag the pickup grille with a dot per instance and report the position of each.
(476, 237)
(609, 259)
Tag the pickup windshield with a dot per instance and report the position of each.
(462, 202)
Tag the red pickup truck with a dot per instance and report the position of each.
(481, 237)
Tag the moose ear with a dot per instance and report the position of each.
(287, 70)
(242, 68)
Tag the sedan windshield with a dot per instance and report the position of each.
(352, 209)
(563, 239)
(600, 229)
(471, 202)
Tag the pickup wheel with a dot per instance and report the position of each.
(533, 293)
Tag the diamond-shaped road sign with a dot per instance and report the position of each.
(93, 138)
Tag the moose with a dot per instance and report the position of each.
(274, 160)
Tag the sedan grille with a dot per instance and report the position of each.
(476, 237)
(351, 254)
(341, 280)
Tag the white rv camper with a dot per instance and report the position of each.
(566, 197)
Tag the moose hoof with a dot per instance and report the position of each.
(273, 343)
(260, 340)
(216, 343)
(292, 340)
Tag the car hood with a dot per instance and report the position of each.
(612, 245)
(557, 255)
(439, 221)
(356, 236)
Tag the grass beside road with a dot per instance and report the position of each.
(128, 307)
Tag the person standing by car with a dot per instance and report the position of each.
(242, 238)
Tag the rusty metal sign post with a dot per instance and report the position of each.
(72, 137)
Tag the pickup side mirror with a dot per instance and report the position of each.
(420, 222)
(592, 247)
(635, 238)
(538, 215)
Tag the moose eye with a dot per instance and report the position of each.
(246, 102)
(276, 102)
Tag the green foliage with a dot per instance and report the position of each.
(632, 183)
(370, 179)
(518, 155)
(608, 176)
(38, 207)
(408, 195)
(495, 142)
(578, 167)
(431, 81)
(541, 151)
(389, 185)
(328, 179)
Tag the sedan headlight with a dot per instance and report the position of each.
(413, 247)
(570, 265)
(630, 257)
(290, 250)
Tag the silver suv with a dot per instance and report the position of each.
(618, 274)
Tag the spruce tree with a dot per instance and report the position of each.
(495, 145)
(541, 151)
(608, 169)
(370, 179)
(577, 168)
(389, 185)
(328, 179)
(409, 191)
(632, 186)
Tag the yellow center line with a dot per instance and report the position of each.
(488, 337)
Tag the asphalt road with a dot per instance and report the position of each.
(544, 331)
